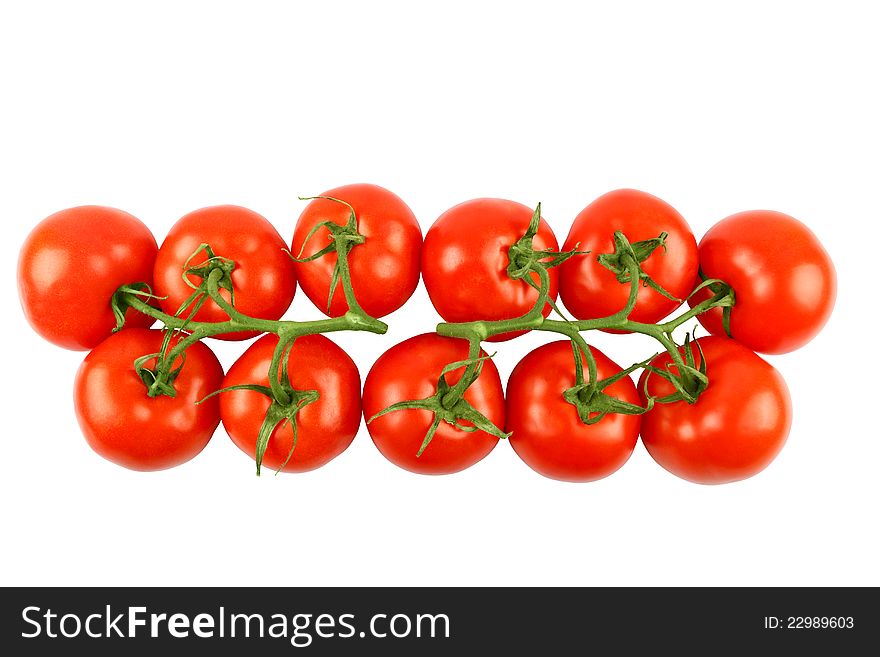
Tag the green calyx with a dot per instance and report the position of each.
(620, 261)
(204, 269)
(286, 403)
(526, 263)
(159, 379)
(589, 398)
(690, 379)
(278, 414)
(343, 239)
(448, 404)
(215, 273)
(524, 259)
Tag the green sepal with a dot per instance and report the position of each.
(637, 252)
(344, 237)
(461, 409)
(590, 400)
(277, 414)
(523, 258)
(690, 381)
(156, 381)
(204, 269)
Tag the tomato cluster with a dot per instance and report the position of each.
(710, 411)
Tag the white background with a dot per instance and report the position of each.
(164, 107)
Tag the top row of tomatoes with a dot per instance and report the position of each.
(783, 279)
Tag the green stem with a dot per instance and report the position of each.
(537, 311)
(534, 320)
(278, 390)
(343, 247)
(587, 396)
(481, 330)
(567, 329)
(350, 321)
(353, 320)
(699, 309)
(622, 315)
(457, 391)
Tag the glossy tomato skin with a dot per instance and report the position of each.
(325, 428)
(263, 279)
(124, 425)
(784, 280)
(546, 431)
(465, 259)
(734, 430)
(410, 370)
(591, 291)
(384, 269)
(71, 264)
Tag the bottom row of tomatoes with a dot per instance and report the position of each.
(737, 426)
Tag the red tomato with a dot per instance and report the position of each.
(465, 259)
(784, 280)
(410, 370)
(124, 425)
(70, 266)
(590, 291)
(546, 431)
(734, 430)
(325, 427)
(263, 278)
(384, 269)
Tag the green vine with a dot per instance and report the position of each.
(587, 396)
(182, 331)
(447, 404)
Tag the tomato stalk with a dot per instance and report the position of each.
(449, 399)
(216, 274)
(625, 262)
(353, 320)
(344, 238)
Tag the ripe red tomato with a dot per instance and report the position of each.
(590, 291)
(71, 264)
(124, 425)
(410, 370)
(783, 278)
(384, 268)
(263, 279)
(734, 430)
(325, 427)
(465, 259)
(546, 431)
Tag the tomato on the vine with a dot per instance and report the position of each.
(71, 264)
(126, 426)
(384, 268)
(783, 279)
(324, 427)
(546, 431)
(410, 370)
(263, 280)
(738, 424)
(465, 259)
(589, 290)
